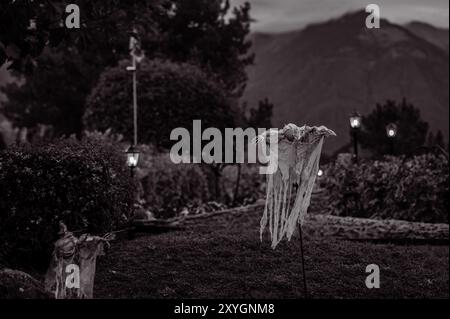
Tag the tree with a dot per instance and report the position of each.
(2, 142)
(211, 35)
(439, 139)
(261, 117)
(437, 143)
(170, 95)
(63, 74)
(27, 27)
(411, 129)
(51, 96)
(59, 77)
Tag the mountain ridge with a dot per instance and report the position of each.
(319, 74)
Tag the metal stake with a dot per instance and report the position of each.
(305, 288)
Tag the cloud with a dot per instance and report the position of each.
(285, 15)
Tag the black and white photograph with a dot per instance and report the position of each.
(223, 155)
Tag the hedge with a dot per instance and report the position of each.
(413, 189)
(85, 184)
(169, 187)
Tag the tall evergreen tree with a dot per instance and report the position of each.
(411, 129)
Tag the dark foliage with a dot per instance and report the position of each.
(2, 142)
(51, 97)
(436, 141)
(252, 184)
(59, 77)
(413, 189)
(170, 96)
(260, 117)
(85, 184)
(209, 34)
(104, 30)
(169, 188)
(411, 129)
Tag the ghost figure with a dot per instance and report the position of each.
(72, 253)
(297, 158)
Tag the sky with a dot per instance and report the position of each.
(286, 15)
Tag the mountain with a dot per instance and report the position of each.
(320, 74)
(437, 36)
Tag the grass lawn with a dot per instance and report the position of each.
(222, 257)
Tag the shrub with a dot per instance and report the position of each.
(251, 184)
(171, 187)
(170, 95)
(85, 184)
(412, 189)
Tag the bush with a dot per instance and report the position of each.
(412, 189)
(85, 184)
(170, 95)
(252, 185)
(171, 187)
(168, 188)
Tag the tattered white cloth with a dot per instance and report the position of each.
(297, 157)
(71, 251)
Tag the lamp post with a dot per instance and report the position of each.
(355, 125)
(320, 173)
(136, 57)
(132, 158)
(391, 133)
